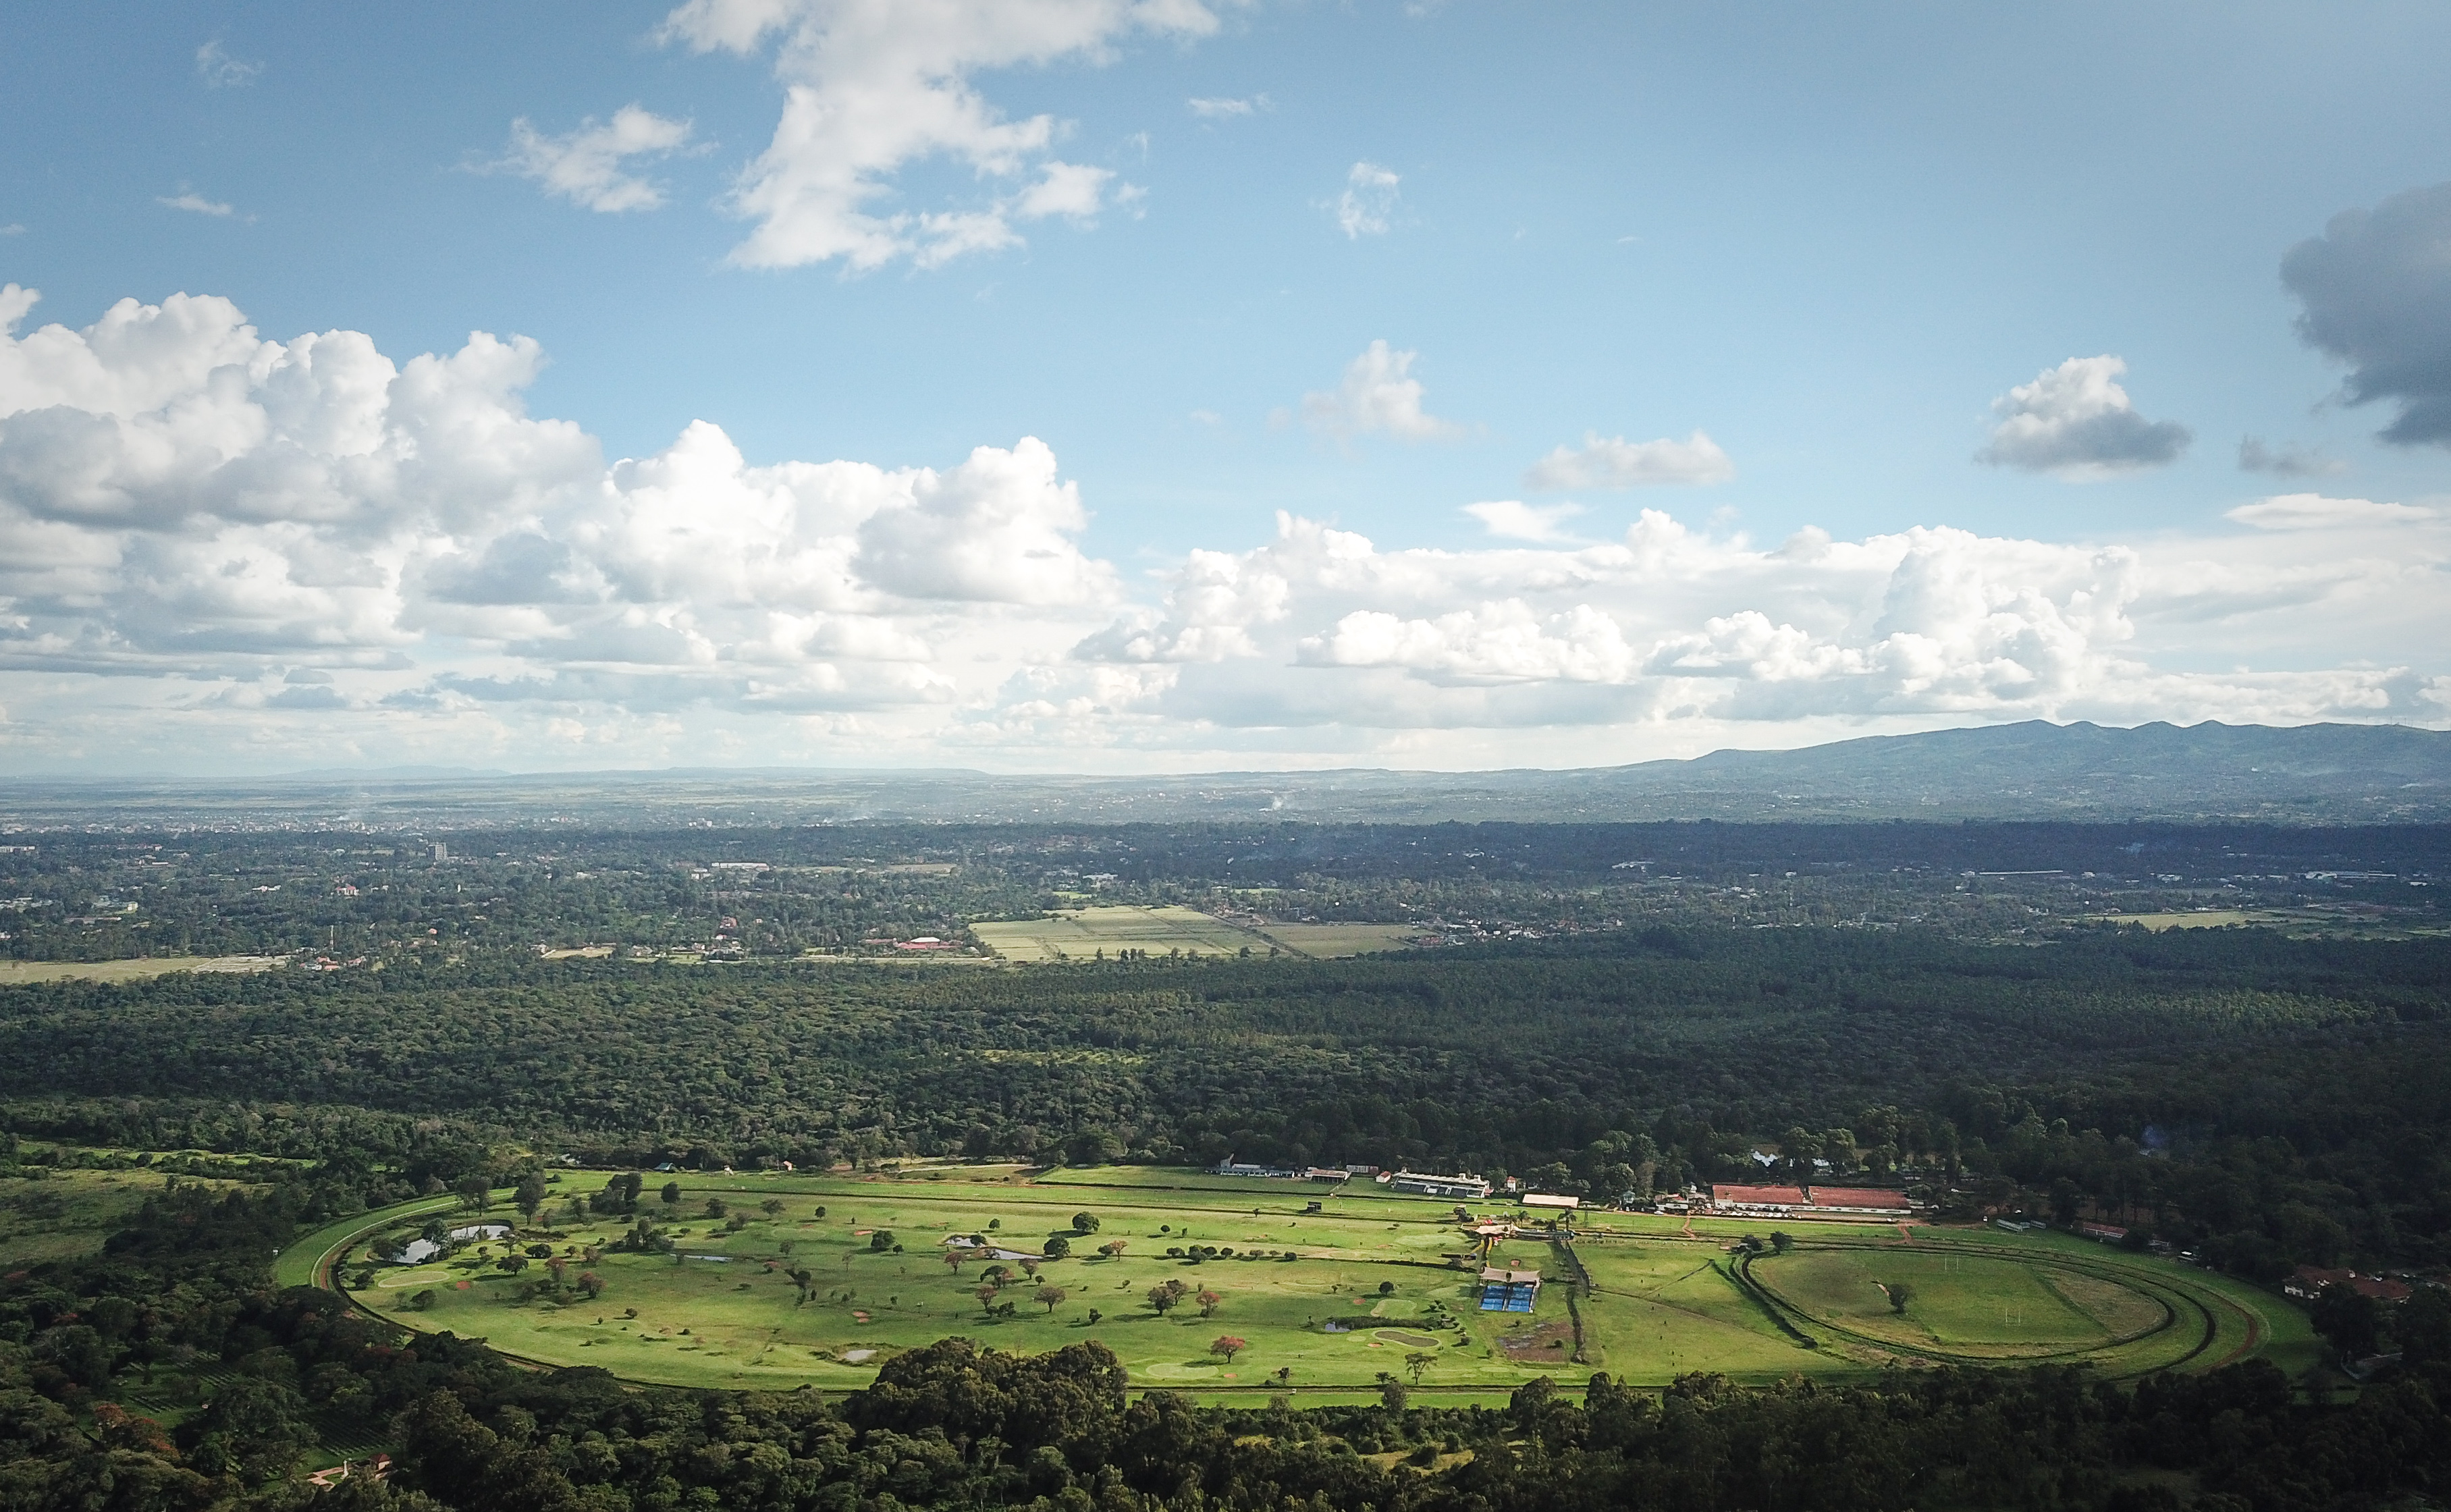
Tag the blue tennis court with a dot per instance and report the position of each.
(1507, 1298)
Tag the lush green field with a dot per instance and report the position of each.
(1983, 1297)
(70, 1212)
(1324, 942)
(723, 1309)
(1082, 934)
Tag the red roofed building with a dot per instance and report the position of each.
(2309, 1281)
(1759, 1197)
(1860, 1199)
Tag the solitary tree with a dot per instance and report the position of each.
(1057, 1246)
(1416, 1362)
(1085, 1223)
(591, 1284)
(1391, 1392)
(1094, 1316)
(1163, 1296)
(1052, 1296)
(987, 1296)
(1900, 1294)
(881, 1241)
(953, 1259)
(672, 1194)
(474, 1190)
(1112, 1250)
(2348, 1318)
(771, 1207)
(1208, 1300)
(1781, 1241)
(530, 1195)
(1227, 1344)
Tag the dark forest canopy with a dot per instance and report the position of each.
(2282, 1100)
(1619, 1011)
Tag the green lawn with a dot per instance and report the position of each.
(1969, 1304)
(1082, 934)
(723, 1309)
(69, 1213)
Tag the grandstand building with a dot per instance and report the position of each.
(1810, 1201)
(1769, 1201)
(1413, 1181)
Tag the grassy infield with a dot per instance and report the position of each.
(1663, 1302)
(1080, 933)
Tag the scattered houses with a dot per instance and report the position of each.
(2308, 1282)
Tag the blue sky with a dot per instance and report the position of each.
(1675, 284)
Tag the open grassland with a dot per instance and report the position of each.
(2305, 923)
(1081, 935)
(22, 973)
(724, 1308)
(1323, 942)
(1980, 1297)
(69, 1213)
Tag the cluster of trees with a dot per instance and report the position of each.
(774, 890)
(2268, 1101)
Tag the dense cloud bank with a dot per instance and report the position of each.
(232, 532)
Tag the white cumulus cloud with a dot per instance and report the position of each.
(1379, 396)
(1665, 626)
(871, 86)
(183, 498)
(2077, 424)
(1612, 462)
(1516, 520)
(210, 539)
(219, 70)
(2315, 512)
(1225, 109)
(590, 164)
(1368, 206)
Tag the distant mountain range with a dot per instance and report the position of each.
(2326, 773)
